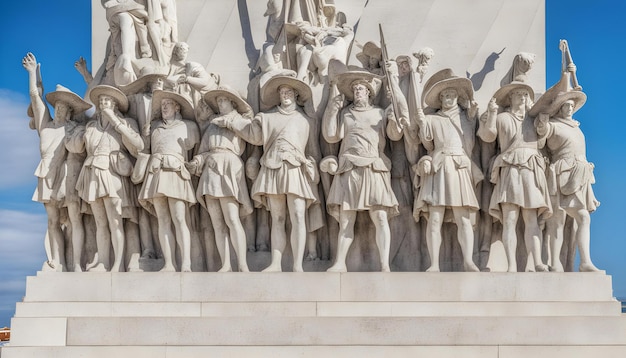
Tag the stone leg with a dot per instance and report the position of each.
(166, 236)
(583, 221)
(221, 232)
(383, 237)
(533, 238)
(345, 238)
(465, 235)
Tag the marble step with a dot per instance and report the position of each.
(456, 351)
(316, 331)
(315, 309)
(319, 287)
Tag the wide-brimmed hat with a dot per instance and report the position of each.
(269, 92)
(211, 99)
(63, 94)
(346, 80)
(141, 83)
(186, 108)
(370, 49)
(578, 97)
(442, 80)
(120, 98)
(502, 95)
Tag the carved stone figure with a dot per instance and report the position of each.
(222, 188)
(285, 181)
(167, 190)
(188, 78)
(371, 58)
(448, 174)
(570, 175)
(127, 25)
(140, 94)
(57, 168)
(362, 179)
(104, 181)
(518, 171)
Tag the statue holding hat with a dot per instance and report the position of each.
(449, 175)
(362, 178)
(56, 168)
(104, 180)
(518, 171)
(222, 188)
(286, 183)
(167, 189)
(570, 175)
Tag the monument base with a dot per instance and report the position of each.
(399, 314)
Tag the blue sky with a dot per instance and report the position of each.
(59, 32)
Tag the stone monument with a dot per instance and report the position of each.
(222, 128)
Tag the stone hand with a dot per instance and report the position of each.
(473, 109)
(492, 106)
(29, 62)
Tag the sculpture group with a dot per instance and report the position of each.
(172, 156)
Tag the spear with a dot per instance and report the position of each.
(383, 48)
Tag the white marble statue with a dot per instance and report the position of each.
(518, 171)
(167, 190)
(570, 174)
(104, 181)
(285, 181)
(362, 179)
(371, 57)
(188, 78)
(127, 26)
(58, 165)
(222, 188)
(139, 95)
(448, 174)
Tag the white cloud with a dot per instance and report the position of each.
(21, 254)
(19, 144)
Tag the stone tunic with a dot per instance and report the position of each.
(570, 175)
(518, 172)
(284, 137)
(166, 175)
(363, 180)
(455, 175)
(223, 173)
(50, 171)
(108, 166)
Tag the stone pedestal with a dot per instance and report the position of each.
(492, 315)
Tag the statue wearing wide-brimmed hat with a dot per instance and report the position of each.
(52, 172)
(362, 178)
(104, 181)
(288, 176)
(167, 190)
(571, 175)
(518, 171)
(449, 174)
(222, 188)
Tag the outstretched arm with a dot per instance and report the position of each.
(81, 66)
(40, 110)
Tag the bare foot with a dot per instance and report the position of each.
(557, 267)
(337, 268)
(98, 268)
(433, 269)
(541, 268)
(77, 268)
(244, 269)
(471, 267)
(168, 268)
(298, 268)
(273, 268)
(226, 268)
(588, 267)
